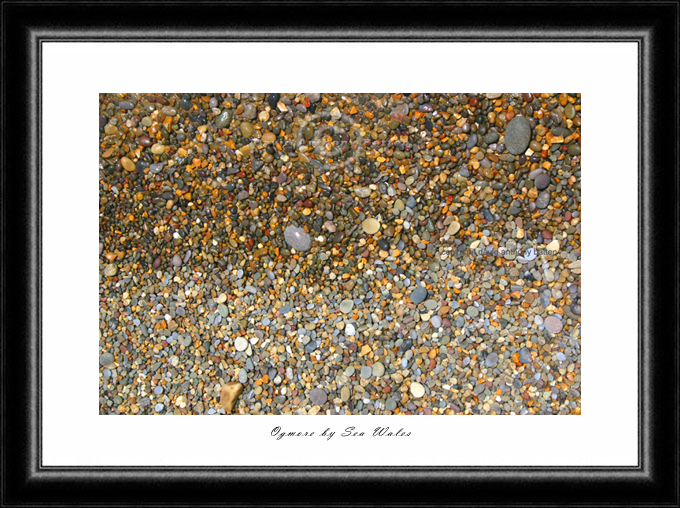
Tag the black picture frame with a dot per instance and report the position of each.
(653, 26)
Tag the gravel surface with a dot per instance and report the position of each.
(340, 253)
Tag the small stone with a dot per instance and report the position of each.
(127, 164)
(106, 359)
(553, 247)
(176, 260)
(378, 369)
(241, 344)
(543, 200)
(518, 135)
(553, 324)
(318, 396)
(371, 226)
(366, 372)
(230, 392)
(417, 390)
(530, 254)
(525, 355)
(491, 137)
(249, 111)
(542, 181)
(246, 129)
(362, 192)
(436, 321)
(297, 238)
(346, 306)
(472, 311)
(110, 270)
(431, 304)
(418, 295)
(453, 228)
(223, 120)
(561, 356)
(491, 360)
(345, 394)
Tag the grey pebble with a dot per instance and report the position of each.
(297, 238)
(542, 181)
(543, 200)
(418, 295)
(106, 359)
(491, 360)
(318, 396)
(518, 135)
(525, 355)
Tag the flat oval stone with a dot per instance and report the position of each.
(553, 324)
(371, 226)
(472, 311)
(318, 396)
(176, 260)
(127, 164)
(453, 228)
(542, 181)
(431, 304)
(417, 390)
(491, 360)
(366, 372)
(106, 359)
(346, 306)
(418, 295)
(378, 369)
(518, 135)
(297, 238)
(241, 344)
(110, 270)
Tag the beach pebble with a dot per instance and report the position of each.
(518, 135)
(318, 397)
(371, 226)
(417, 390)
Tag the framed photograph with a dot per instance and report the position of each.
(315, 270)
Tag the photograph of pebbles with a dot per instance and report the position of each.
(332, 253)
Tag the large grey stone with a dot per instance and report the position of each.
(518, 135)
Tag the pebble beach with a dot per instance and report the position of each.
(329, 253)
